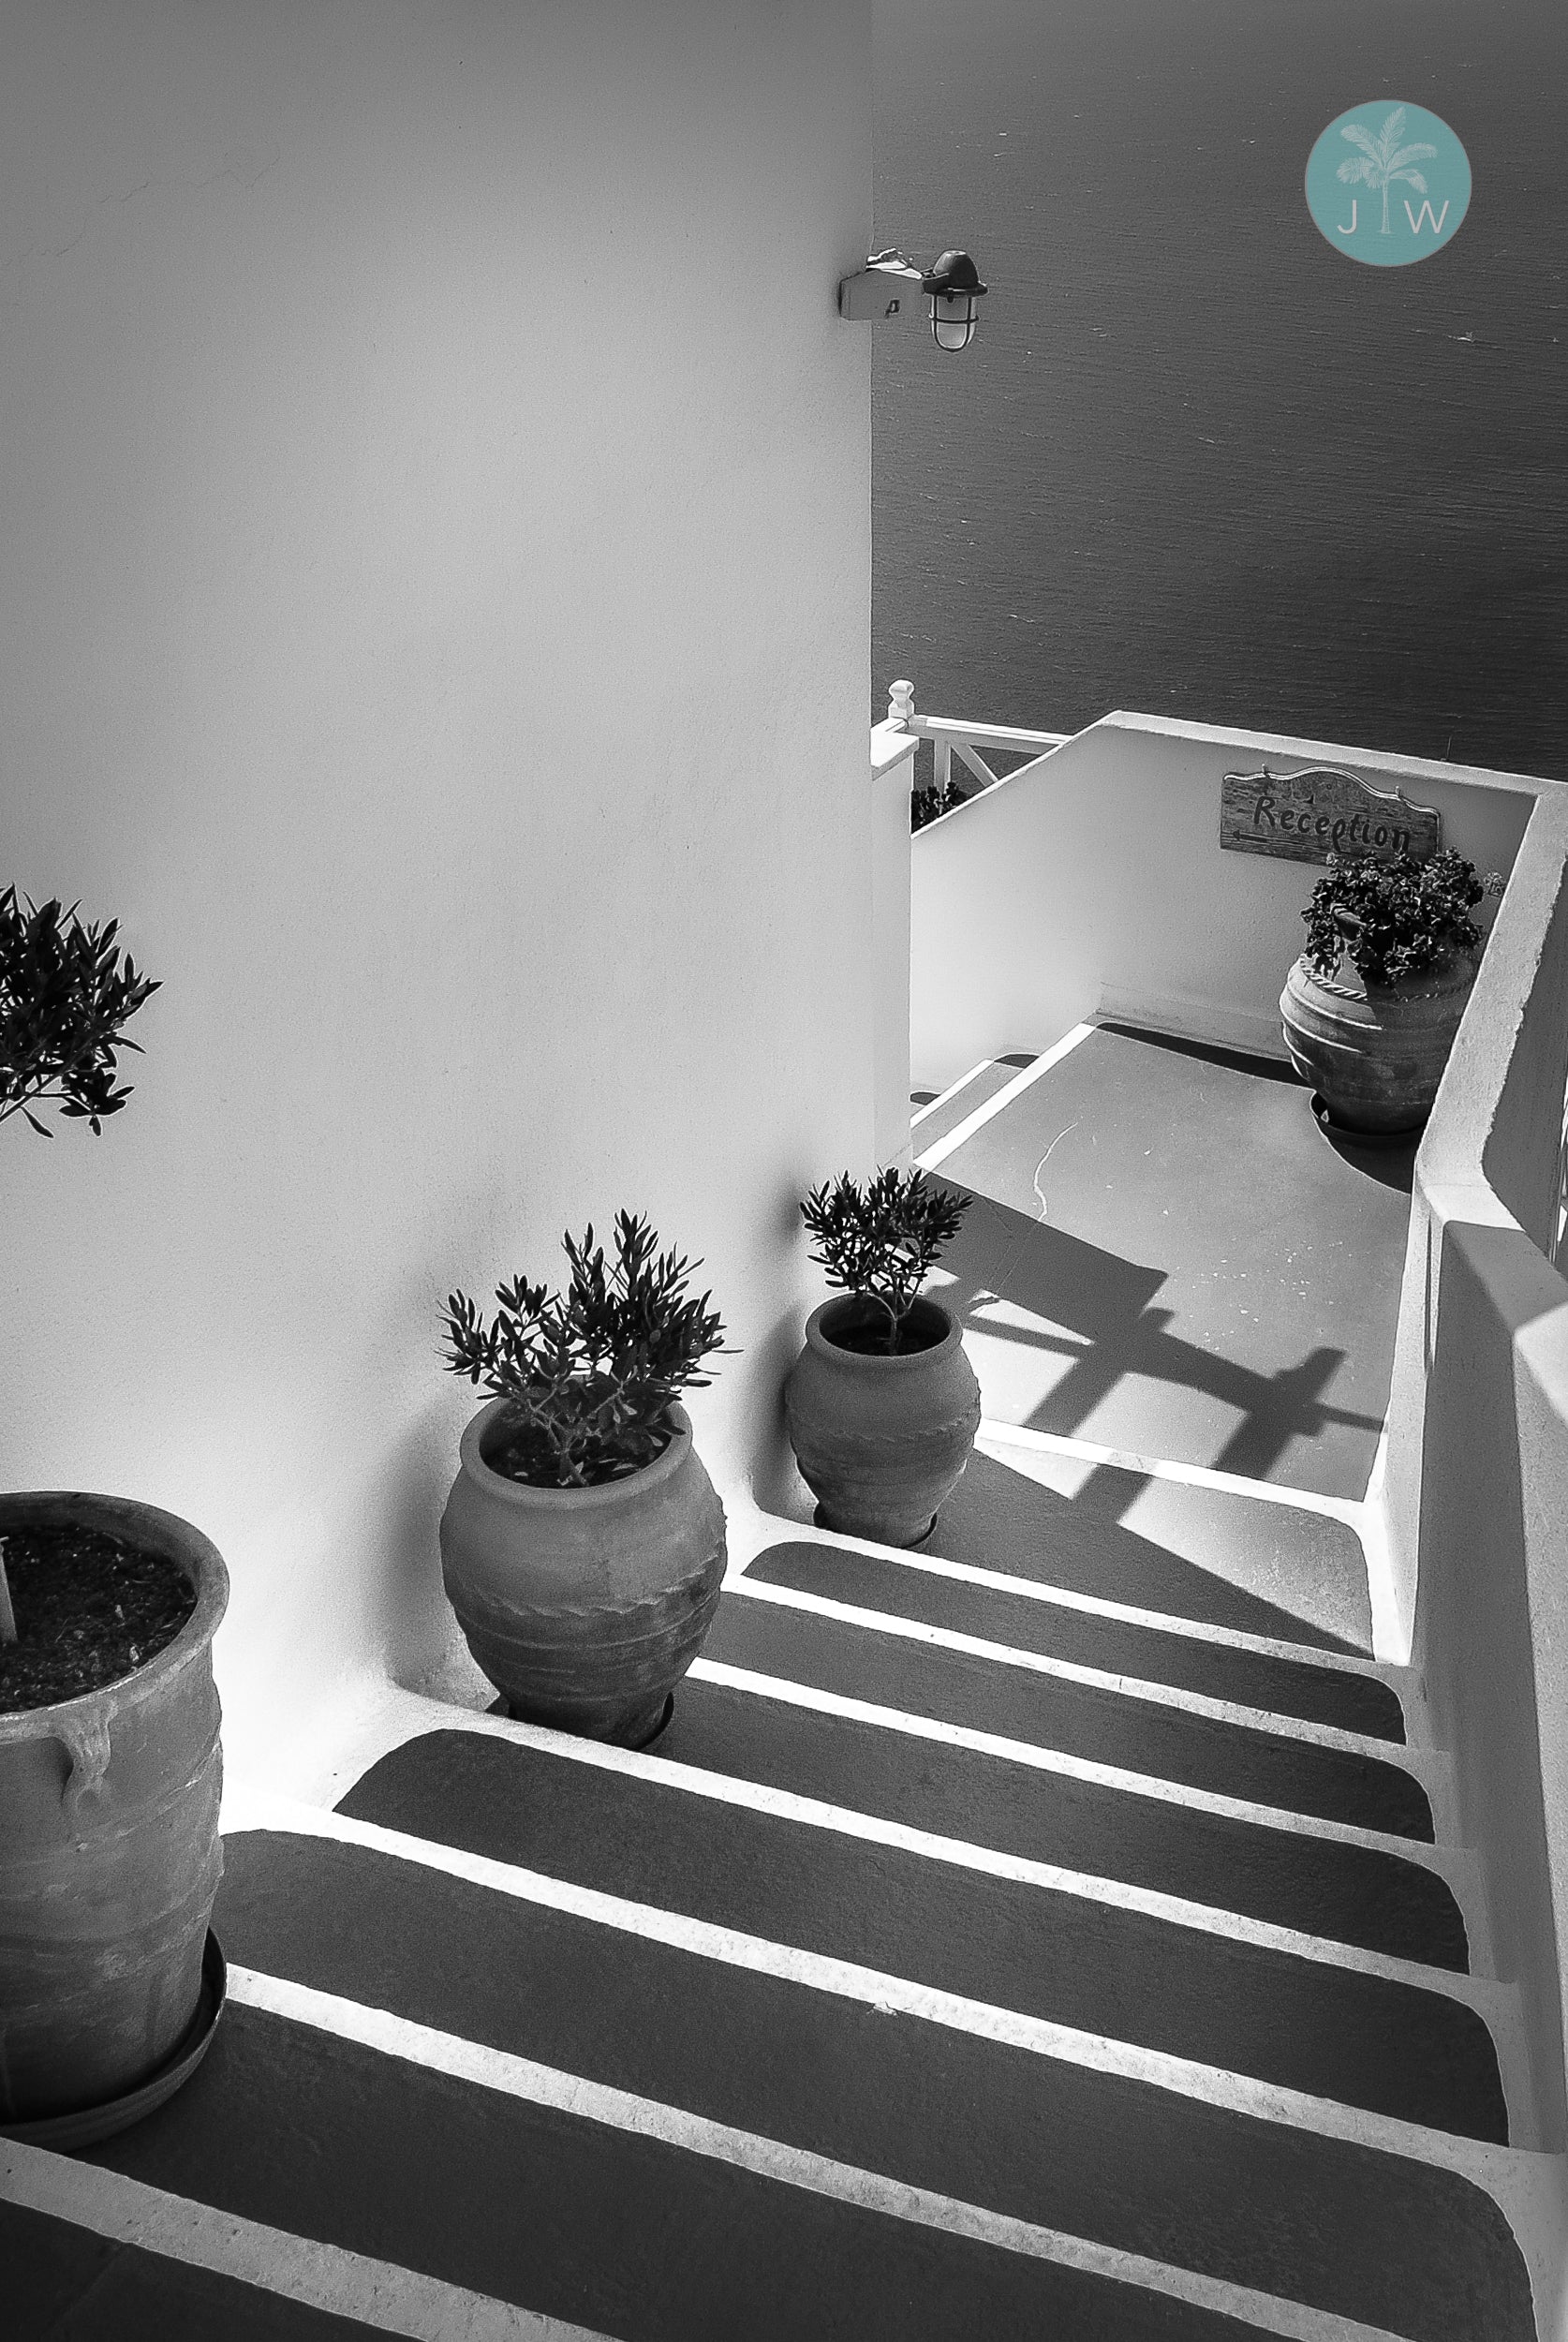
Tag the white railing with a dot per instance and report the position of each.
(950, 738)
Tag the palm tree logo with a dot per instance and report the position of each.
(1382, 160)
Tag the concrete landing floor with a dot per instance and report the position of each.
(1167, 1256)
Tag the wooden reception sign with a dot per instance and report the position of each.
(1307, 816)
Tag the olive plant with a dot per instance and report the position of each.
(591, 1376)
(882, 1241)
(65, 999)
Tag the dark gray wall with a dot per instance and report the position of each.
(1196, 462)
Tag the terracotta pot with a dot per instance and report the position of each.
(1375, 1053)
(881, 1441)
(108, 1845)
(584, 1607)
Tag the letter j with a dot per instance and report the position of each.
(1351, 229)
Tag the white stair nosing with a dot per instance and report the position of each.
(934, 1106)
(382, 2295)
(1429, 1767)
(1000, 1099)
(1485, 1994)
(1456, 1865)
(773, 2160)
(1351, 1510)
(1101, 1606)
(1487, 2163)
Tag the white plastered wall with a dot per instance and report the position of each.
(1096, 883)
(434, 619)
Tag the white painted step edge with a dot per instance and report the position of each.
(389, 2299)
(954, 1089)
(1431, 1767)
(1530, 2187)
(788, 1531)
(408, 1716)
(939, 1151)
(381, 2294)
(1455, 1864)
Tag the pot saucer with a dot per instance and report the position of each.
(924, 1538)
(1340, 1135)
(501, 1706)
(88, 2124)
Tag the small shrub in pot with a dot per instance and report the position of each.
(1372, 1007)
(582, 1543)
(882, 1405)
(1394, 919)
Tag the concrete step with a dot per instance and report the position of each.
(969, 1600)
(965, 2104)
(519, 2184)
(938, 1117)
(1008, 1798)
(1106, 1960)
(63, 2281)
(1103, 1719)
(1159, 1537)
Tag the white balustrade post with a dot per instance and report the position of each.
(892, 757)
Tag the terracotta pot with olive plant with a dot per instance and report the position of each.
(1372, 1007)
(882, 1404)
(111, 1980)
(582, 1543)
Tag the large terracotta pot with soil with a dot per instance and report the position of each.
(108, 1827)
(583, 1606)
(881, 1438)
(1375, 1052)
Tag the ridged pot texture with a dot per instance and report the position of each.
(881, 1441)
(1374, 1053)
(584, 1607)
(110, 1855)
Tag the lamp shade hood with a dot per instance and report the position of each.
(955, 273)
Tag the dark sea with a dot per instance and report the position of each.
(1197, 461)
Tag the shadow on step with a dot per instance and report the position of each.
(1347, 1700)
(1203, 1553)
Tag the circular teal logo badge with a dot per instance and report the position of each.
(1388, 182)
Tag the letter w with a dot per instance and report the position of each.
(1415, 218)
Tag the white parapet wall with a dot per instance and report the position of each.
(1476, 1490)
(1095, 883)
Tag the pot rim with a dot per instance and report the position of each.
(1460, 964)
(881, 1362)
(522, 1493)
(174, 1538)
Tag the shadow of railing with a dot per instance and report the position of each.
(1001, 1516)
(1097, 1314)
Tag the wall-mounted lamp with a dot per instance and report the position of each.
(886, 287)
(955, 288)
